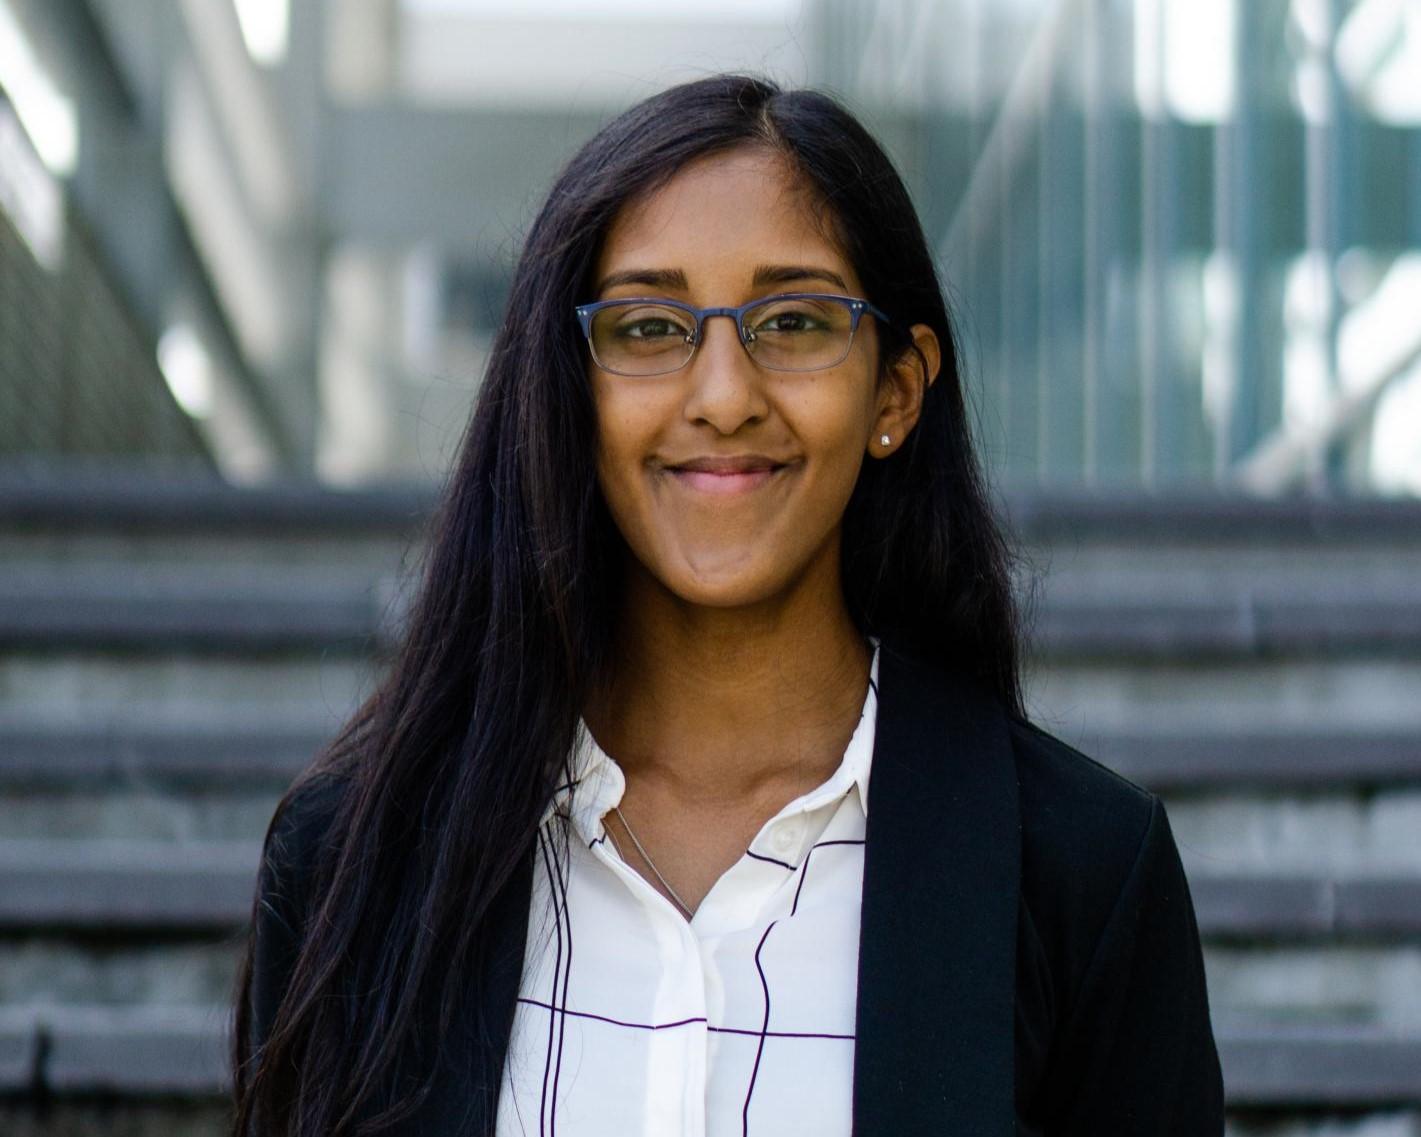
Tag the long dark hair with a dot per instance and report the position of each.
(448, 765)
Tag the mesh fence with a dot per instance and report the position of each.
(78, 373)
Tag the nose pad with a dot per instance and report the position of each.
(726, 392)
(746, 341)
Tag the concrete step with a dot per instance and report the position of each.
(59, 968)
(97, 687)
(112, 498)
(1310, 831)
(1328, 833)
(1222, 627)
(146, 751)
(1371, 983)
(1244, 906)
(107, 883)
(137, 813)
(254, 549)
(155, 607)
(1194, 570)
(1087, 699)
(133, 1051)
(1259, 755)
(224, 755)
(96, 884)
(1051, 518)
(313, 609)
(138, 1051)
(1376, 984)
(1076, 699)
(1274, 1065)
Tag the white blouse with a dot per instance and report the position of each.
(634, 1022)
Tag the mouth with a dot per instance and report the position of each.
(725, 475)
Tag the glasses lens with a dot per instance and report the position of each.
(642, 339)
(798, 334)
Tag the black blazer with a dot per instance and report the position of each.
(1029, 962)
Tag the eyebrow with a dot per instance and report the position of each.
(671, 278)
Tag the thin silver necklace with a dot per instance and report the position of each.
(686, 908)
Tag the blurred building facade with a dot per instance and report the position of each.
(1183, 237)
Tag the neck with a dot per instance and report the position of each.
(723, 704)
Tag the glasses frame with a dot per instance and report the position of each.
(857, 307)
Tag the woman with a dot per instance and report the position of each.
(716, 568)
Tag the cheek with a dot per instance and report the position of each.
(626, 434)
(835, 431)
(832, 423)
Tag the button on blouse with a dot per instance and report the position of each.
(635, 1022)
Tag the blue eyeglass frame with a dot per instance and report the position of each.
(857, 307)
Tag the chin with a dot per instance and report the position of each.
(724, 586)
(725, 598)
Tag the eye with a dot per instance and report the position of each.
(794, 317)
(787, 322)
(645, 325)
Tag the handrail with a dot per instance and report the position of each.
(1006, 145)
(1280, 459)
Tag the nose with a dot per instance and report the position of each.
(725, 385)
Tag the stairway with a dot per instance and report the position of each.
(1259, 665)
(171, 653)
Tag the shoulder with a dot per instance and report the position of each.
(1091, 841)
(301, 826)
(1075, 810)
(299, 829)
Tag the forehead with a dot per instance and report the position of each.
(725, 214)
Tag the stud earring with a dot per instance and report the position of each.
(883, 438)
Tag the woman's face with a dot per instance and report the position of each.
(727, 480)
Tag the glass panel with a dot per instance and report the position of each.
(1169, 227)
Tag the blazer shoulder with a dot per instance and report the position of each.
(1084, 829)
(1112, 1003)
(295, 836)
(1073, 800)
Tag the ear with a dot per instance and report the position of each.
(900, 398)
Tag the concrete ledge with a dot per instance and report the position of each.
(192, 615)
(128, 1051)
(109, 884)
(141, 884)
(1274, 759)
(1231, 627)
(152, 1051)
(163, 1050)
(19, 1049)
(109, 609)
(1256, 906)
(1071, 516)
(108, 495)
(206, 755)
(135, 497)
(227, 755)
(1281, 1065)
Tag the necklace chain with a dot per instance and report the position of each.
(686, 908)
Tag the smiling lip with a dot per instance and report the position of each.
(725, 475)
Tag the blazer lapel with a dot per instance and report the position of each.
(937, 947)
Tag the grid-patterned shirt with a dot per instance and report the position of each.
(634, 1022)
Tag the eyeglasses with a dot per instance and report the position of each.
(793, 331)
